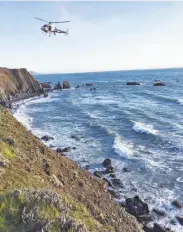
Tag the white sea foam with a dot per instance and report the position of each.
(180, 101)
(144, 128)
(123, 148)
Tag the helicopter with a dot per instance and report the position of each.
(51, 29)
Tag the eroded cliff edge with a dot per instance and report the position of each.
(16, 84)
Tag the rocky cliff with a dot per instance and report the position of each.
(17, 83)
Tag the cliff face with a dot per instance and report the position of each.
(43, 191)
(16, 83)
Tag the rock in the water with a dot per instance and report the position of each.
(159, 84)
(46, 85)
(180, 220)
(45, 94)
(177, 204)
(158, 228)
(136, 207)
(126, 170)
(89, 84)
(114, 193)
(60, 150)
(109, 169)
(75, 137)
(47, 138)
(58, 86)
(117, 183)
(97, 174)
(159, 212)
(107, 163)
(66, 85)
(133, 83)
(112, 175)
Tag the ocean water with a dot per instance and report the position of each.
(138, 127)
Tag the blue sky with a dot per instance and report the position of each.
(103, 36)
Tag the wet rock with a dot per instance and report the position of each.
(133, 83)
(112, 175)
(75, 137)
(136, 206)
(58, 86)
(180, 220)
(51, 146)
(73, 148)
(117, 183)
(77, 87)
(159, 212)
(114, 193)
(66, 85)
(177, 204)
(109, 170)
(107, 163)
(47, 138)
(97, 174)
(45, 94)
(89, 84)
(158, 228)
(60, 150)
(87, 167)
(46, 85)
(147, 228)
(159, 84)
(126, 170)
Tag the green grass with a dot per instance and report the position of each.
(6, 151)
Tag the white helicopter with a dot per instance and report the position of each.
(51, 29)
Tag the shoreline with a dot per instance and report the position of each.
(136, 201)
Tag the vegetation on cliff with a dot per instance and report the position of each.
(43, 191)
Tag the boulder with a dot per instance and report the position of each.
(114, 193)
(75, 137)
(177, 204)
(158, 228)
(89, 84)
(126, 170)
(46, 85)
(159, 212)
(107, 163)
(180, 220)
(109, 170)
(47, 138)
(112, 175)
(58, 86)
(159, 84)
(133, 83)
(97, 174)
(66, 85)
(117, 183)
(136, 206)
(45, 94)
(60, 150)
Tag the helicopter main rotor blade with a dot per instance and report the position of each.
(41, 20)
(61, 22)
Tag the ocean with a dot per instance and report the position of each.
(137, 127)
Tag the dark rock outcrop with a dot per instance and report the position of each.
(58, 86)
(89, 84)
(159, 84)
(180, 220)
(159, 212)
(177, 204)
(136, 206)
(60, 150)
(66, 85)
(47, 138)
(133, 83)
(46, 85)
(158, 228)
(16, 84)
(107, 163)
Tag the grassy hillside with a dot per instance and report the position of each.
(43, 191)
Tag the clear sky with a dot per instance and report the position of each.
(103, 36)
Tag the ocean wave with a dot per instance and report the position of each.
(122, 148)
(180, 101)
(144, 128)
